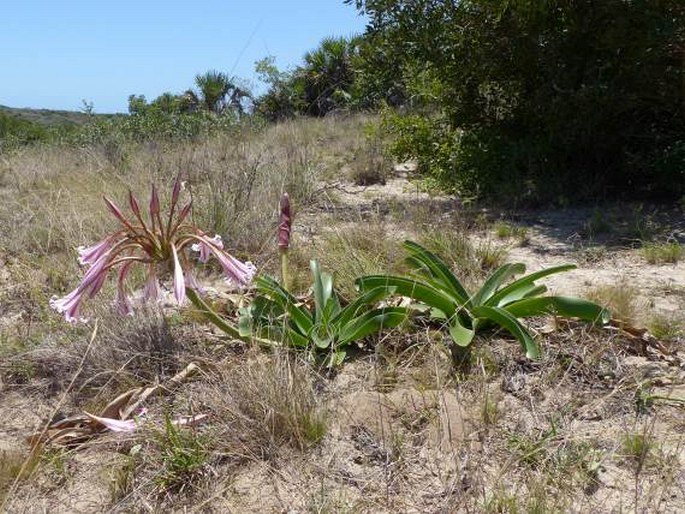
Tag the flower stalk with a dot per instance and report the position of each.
(284, 228)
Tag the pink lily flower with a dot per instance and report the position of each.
(89, 255)
(158, 247)
(151, 291)
(205, 249)
(237, 272)
(69, 305)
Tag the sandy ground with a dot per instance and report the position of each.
(417, 448)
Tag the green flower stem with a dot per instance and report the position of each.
(227, 328)
(285, 269)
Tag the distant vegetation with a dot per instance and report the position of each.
(519, 102)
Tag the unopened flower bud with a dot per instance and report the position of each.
(284, 223)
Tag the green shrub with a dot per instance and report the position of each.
(539, 101)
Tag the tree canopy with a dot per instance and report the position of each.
(540, 99)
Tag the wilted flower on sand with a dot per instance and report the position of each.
(159, 245)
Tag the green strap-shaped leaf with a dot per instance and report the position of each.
(507, 321)
(296, 339)
(322, 335)
(565, 306)
(323, 292)
(223, 325)
(370, 322)
(336, 358)
(461, 335)
(364, 301)
(495, 281)
(494, 300)
(268, 286)
(245, 322)
(417, 289)
(272, 289)
(525, 291)
(438, 269)
(212, 316)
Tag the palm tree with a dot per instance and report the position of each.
(328, 73)
(237, 98)
(213, 86)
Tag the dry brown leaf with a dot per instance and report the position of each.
(78, 428)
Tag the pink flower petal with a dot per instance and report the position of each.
(115, 425)
(207, 246)
(151, 291)
(88, 255)
(154, 202)
(116, 211)
(179, 282)
(176, 191)
(237, 272)
(122, 302)
(69, 305)
(192, 282)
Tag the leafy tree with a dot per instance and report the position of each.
(285, 96)
(167, 103)
(217, 92)
(137, 104)
(15, 132)
(541, 100)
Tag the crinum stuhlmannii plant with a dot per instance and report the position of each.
(160, 244)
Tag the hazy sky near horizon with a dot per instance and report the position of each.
(56, 53)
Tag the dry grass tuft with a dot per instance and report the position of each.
(621, 299)
(13, 466)
(128, 352)
(264, 404)
(356, 250)
(370, 165)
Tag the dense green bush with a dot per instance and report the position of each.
(534, 100)
(16, 132)
(153, 125)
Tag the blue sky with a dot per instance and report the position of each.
(55, 53)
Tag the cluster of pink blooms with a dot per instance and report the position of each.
(159, 245)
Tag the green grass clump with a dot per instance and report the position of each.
(663, 253)
(183, 455)
(472, 261)
(664, 327)
(506, 230)
(637, 448)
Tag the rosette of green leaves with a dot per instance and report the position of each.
(499, 301)
(277, 315)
